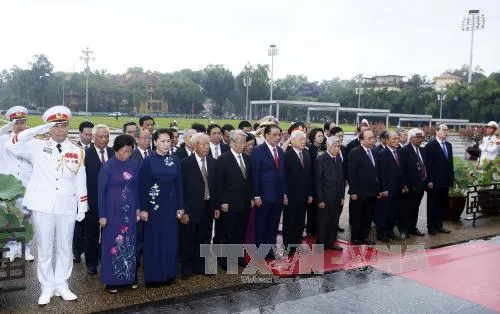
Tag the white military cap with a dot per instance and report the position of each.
(268, 120)
(492, 124)
(16, 113)
(57, 114)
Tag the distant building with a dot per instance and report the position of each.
(390, 82)
(148, 105)
(446, 79)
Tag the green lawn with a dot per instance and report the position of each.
(182, 123)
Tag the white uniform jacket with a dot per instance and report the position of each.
(489, 148)
(58, 181)
(12, 164)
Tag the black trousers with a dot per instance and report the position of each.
(78, 239)
(294, 217)
(386, 214)
(311, 218)
(91, 239)
(192, 236)
(327, 222)
(231, 228)
(436, 202)
(412, 205)
(362, 211)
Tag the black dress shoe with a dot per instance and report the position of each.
(152, 284)
(417, 233)
(91, 271)
(186, 276)
(76, 260)
(384, 239)
(368, 242)
(334, 247)
(169, 281)
(443, 230)
(403, 236)
(357, 242)
(340, 229)
(431, 231)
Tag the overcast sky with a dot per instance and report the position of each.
(319, 38)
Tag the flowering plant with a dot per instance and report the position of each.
(127, 176)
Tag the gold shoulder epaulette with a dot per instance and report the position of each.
(44, 137)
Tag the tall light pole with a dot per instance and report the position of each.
(247, 82)
(472, 23)
(86, 57)
(272, 52)
(359, 90)
(441, 94)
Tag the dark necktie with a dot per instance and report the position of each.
(276, 159)
(371, 156)
(102, 156)
(204, 174)
(445, 151)
(59, 148)
(301, 157)
(421, 169)
(396, 157)
(145, 153)
(242, 167)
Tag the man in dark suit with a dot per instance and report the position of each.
(234, 183)
(217, 146)
(186, 148)
(338, 132)
(85, 129)
(96, 155)
(352, 144)
(392, 187)
(330, 190)
(147, 122)
(300, 192)
(142, 149)
(438, 158)
(200, 205)
(363, 187)
(269, 184)
(384, 136)
(415, 176)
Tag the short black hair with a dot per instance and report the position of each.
(227, 127)
(123, 140)
(156, 134)
(335, 130)
(126, 124)
(313, 133)
(200, 128)
(384, 134)
(213, 126)
(250, 137)
(84, 125)
(174, 130)
(244, 124)
(145, 118)
(327, 124)
(270, 127)
(362, 134)
(256, 126)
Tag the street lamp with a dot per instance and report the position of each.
(86, 57)
(441, 95)
(471, 23)
(359, 90)
(272, 52)
(247, 82)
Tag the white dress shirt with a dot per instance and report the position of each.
(237, 159)
(105, 153)
(212, 149)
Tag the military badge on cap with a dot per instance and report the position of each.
(57, 114)
(16, 113)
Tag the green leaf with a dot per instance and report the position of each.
(10, 187)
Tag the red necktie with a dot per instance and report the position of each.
(276, 159)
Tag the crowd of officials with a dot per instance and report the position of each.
(148, 200)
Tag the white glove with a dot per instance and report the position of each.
(7, 128)
(80, 217)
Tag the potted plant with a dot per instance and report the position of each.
(458, 192)
(489, 200)
(472, 135)
(10, 215)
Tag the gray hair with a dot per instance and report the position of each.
(439, 126)
(234, 134)
(188, 132)
(332, 140)
(296, 134)
(197, 137)
(414, 132)
(99, 127)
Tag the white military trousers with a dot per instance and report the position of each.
(47, 226)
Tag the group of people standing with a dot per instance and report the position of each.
(151, 201)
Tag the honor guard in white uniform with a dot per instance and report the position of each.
(16, 166)
(57, 184)
(491, 143)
